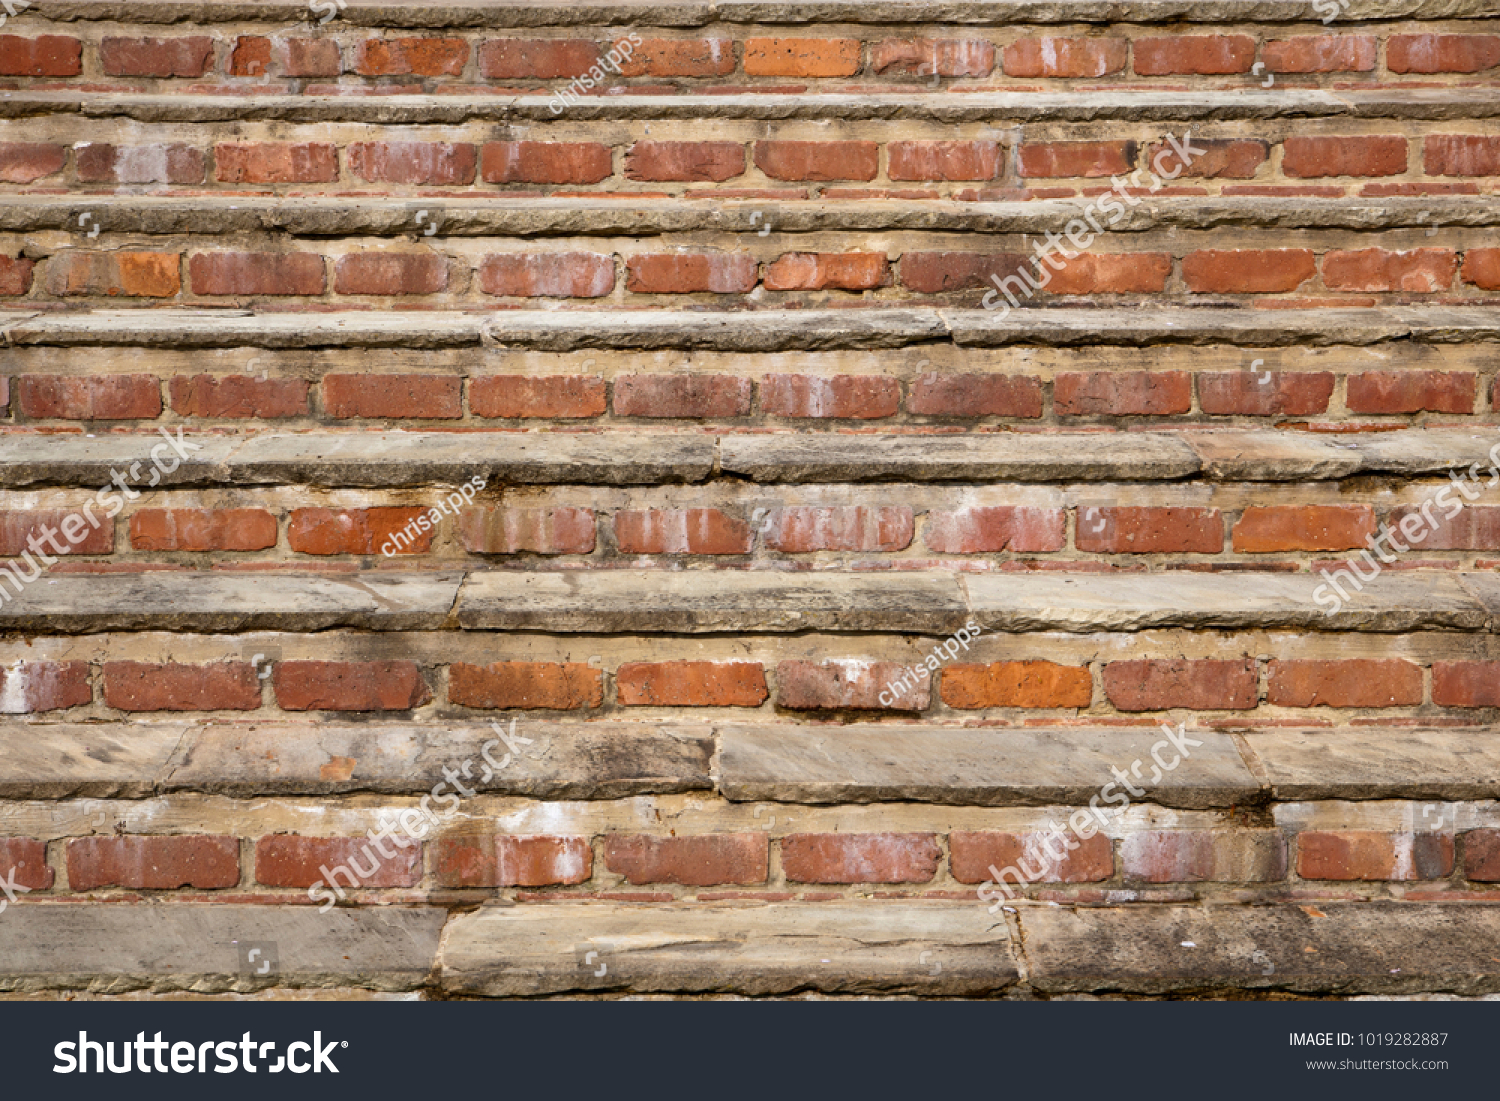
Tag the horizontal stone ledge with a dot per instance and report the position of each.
(1327, 948)
(1232, 455)
(212, 328)
(1376, 763)
(829, 947)
(118, 947)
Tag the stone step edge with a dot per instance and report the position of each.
(750, 330)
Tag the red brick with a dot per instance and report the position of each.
(390, 396)
(160, 57)
(115, 274)
(1150, 685)
(818, 160)
(529, 685)
(691, 273)
(1064, 57)
(1150, 530)
(256, 273)
(153, 863)
(145, 686)
(297, 57)
(1466, 683)
(23, 862)
(683, 396)
(45, 55)
(238, 397)
(938, 272)
(1367, 855)
(1248, 271)
(932, 56)
(859, 857)
(1481, 856)
(18, 527)
(1322, 53)
(548, 275)
(944, 160)
(313, 57)
(994, 529)
(1355, 683)
(703, 861)
(1461, 155)
(536, 58)
(1410, 392)
(1106, 273)
(1264, 393)
(1374, 269)
(513, 861)
(802, 56)
(390, 273)
(141, 164)
(1204, 856)
(680, 57)
(289, 860)
(814, 271)
(850, 397)
(1263, 529)
(691, 161)
(411, 56)
(1442, 53)
(1200, 53)
(24, 162)
(251, 56)
(27, 687)
(555, 397)
(1222, 158)
(1076, 158)
(349, 685)
(1058, 858)
(412, 162)
(849, 685)
(1122, 393)
(1031, 684)
(534, 530)
(202, 529)
(92, 398)
(944, 395)
(1344, 155)
(1477, 527)
(681, 531)
(802, 529)
(15, 275)
(691, 684)
(276, 162)
(327, 531)
(1482, 268)
(561, 162)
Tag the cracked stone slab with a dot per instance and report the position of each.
(1376, 763)
(705, 601)
(95, 760)
(1431, 451)
(79, 460)
(932, 948)
(960, 767)
(1271, 456)
(1134, 602)
(113, 948)
(742, 331)
(203, 601)
(210, 328)
(1011, 457)
(560, 760)
(1327, 948)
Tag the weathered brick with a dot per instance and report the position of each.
(24, 162)
(1376, 269)
(1466, 683)
(529, 685)
(681, 531)
(937, 272)
(97, 162)
(1482, 268)
(1353, 683)
(691, 161)
(818, 160)
(513, 861)
(1076, 158)
(1345, 155)
(1461, 155)
(30, 686)
(312, 57)
(238, 396)
(802, 56)
(433, 397)
(276, 162)
(850, 397)
(411, 57)
(555, 397)
(390, 273)
(413, 162)
(23, 863)
(1248, 271)
(813, 271)
(1410, 392)
(1442, 53)
(1263, 529)
(115, 274)
(256, 273)
(944, 160)
(802, 529)
(1203, 54)
(945, 395)
(44, 55)
(702, 861)
(1122, 393)
(1322, 53)
(1222, 158)
(1482, 856)
(326, 531)
(153, 863)
(1064, 57)
(859, 857)
(1204, 856)
(1368, 855)
(289, 860)
(683, 396)
(1059, 857)
(149, 686)
(91, 398)
(202, 529)
(251, 56)
(691, 273)
(159, 57)
(969, 686)
(1477, 527)
(932, 56)
(537, 58)
(990, 530)
(1107, 273)
(851, 685)
(1151, 685)
(15, 275)
(560, 162)
(548, 275)
(680, 57)
(1150, 530)
(1264, 393)
(31, 529)
(349, 685)
(691, 684)
(533, 530)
